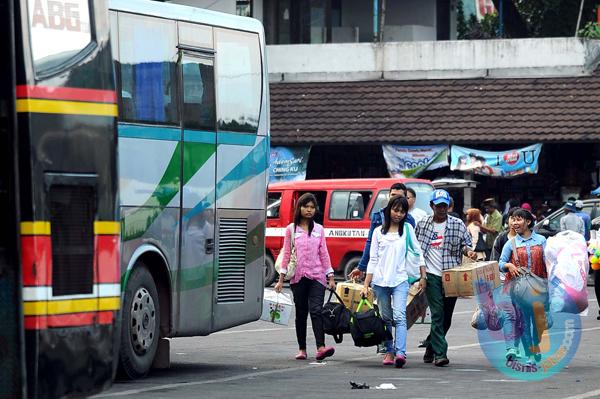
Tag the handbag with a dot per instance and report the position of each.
(412, 261)
(528, 288)
(481, 246)
(367, 328)
(336, 318)
(291, 269)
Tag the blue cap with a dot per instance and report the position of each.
(570, 205)
(440, 196)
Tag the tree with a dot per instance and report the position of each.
(461, 23)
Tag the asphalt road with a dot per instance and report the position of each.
(256, 361)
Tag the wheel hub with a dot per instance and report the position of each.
(143, 321)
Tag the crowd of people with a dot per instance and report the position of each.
(443, 241)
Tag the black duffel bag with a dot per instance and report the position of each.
(367, 328)
(336, 318)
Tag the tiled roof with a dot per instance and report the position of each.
(437, 111)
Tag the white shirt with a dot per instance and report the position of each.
(418, 214)
(433, 259)
(388, 256)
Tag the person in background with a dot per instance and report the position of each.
(571, 221)
(503, 237)
(444, 240)
(313, 273)
(587, 221)
(474, 222)
(451, 211)
(387, 274)
(377, 219)
(492, 223)
(528, 208)
(526, 251)
(417, 213)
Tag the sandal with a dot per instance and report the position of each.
(388, 359)
(301, 355)
(325, 352)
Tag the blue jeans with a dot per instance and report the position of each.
(392, 305)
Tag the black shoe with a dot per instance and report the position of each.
(428, 356)
(441, 361)
(422, 344)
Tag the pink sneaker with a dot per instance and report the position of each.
(325, 352)
(400, 361)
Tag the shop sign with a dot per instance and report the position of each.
(496, 163)
(288, 163)
(411, 161)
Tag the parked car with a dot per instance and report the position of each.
(345, 207)
(550, 225)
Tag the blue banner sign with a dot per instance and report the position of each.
(288, 163)
(496, 163)
(411, 161)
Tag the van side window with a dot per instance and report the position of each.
(380, 202)
(273, 205)
(349, 205)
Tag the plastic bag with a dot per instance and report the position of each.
(567, 265)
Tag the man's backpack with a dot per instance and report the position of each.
(336, 318)
(367, 328)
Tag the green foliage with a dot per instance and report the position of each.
(487, 28)
(591, 30)
(554, 18)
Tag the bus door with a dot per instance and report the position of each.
(12, 372)
(198, 200)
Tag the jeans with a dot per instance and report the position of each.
(309, 296)
(508, 315)
(392, 305)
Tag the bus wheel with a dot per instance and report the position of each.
(141, 319)
(350, 265)
(270, 272)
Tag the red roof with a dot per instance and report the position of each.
(437, 111)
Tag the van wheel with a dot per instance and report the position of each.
(350, 265)
(141, 319)
(270, 272)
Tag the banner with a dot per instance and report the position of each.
(288, 163)
(496, 163)
(411, 161)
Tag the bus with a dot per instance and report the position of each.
(193, 155)
(59, 235)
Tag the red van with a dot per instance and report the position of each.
(345, 207)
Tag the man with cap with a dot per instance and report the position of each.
(571, 221)
(444, 240)
(587, 221)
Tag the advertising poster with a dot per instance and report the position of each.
(411, 161)
(288, 163)
(507, 163)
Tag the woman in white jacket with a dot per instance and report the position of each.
(395, 254)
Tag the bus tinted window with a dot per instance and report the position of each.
(239, 80)
(198, 93)
(148, 60)
(59, 31)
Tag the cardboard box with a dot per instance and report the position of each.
(416, 304)
(277, 308)
(350, 294)
(471, 279)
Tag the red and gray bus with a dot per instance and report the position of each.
(59, 236)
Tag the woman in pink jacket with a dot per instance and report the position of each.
(313, 274)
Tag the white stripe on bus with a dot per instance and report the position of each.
(45, 293)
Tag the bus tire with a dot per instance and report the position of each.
(350, 265)
(141, 322)
(270, 272)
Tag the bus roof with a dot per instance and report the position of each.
(187, 14)
(325, 184)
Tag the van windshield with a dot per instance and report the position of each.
(423, 190)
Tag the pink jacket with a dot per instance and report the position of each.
(312, 257)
